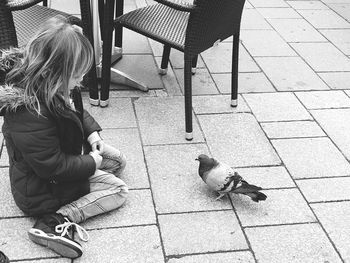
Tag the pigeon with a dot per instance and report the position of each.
(223, 179)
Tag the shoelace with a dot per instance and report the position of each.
(63, 229)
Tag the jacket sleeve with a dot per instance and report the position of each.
(37, 139)
(89, 124)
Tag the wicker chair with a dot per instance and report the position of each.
(19, 19)
(190, 28)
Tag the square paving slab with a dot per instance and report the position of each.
(311, 157)
(228, 257)
(176, 184)
(336, 123)
(324, 99)
(331, 60)
(276, 107)
(128, 245)
(291, 74)
(305, 243)
(162, 121)
(292, 129)
(237, 140)
(325, 189)
(201, 232)
(335, 218)
(284, 206)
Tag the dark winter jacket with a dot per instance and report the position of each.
(46, 167)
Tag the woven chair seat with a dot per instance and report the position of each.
(157, 22)
(35, 16)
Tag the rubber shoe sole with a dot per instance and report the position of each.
(61, 245)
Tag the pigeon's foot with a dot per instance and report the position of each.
(220, 196)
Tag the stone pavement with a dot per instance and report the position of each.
(289, 134)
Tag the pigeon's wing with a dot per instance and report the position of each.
(246, 188)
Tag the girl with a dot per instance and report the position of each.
(60, 169)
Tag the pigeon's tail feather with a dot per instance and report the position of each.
(256, 196)
(246, 188)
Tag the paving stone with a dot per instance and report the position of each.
(137, 210)
(142, 68)
(291, 243)
(4, 160)
(251, 19)
(15, 242)
(316, 18)
(201, 232)
(291, 74)
(129, 245)
(128, 141)
(176, 185)
(307, 5)
(202, 82)
(342, 9)
(336, 80)
(118, 114)
(270, 3)
(331, 60)
(267, 39)
(170, 82)
(217, 104)
(336, 123)
(247, 82)
(311, 157)
(267, 177)
(134, 43)
(162, 121)
(318, 190)
(50, 260)
(229, 257)
(219, 59)
(284, 206)
(276, 107)
(292, 129)
(335, 218)
(296, 30)
(324, 99)
(278, 13)
(339, 37)
(8, 206)
(237, 140)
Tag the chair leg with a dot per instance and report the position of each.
(106, 53)
(118, 33)
(91, 78)
(188, 96)
(194, 64)
(234, 73)
(45, 3)
(165, 60)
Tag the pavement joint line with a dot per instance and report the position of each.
(205, 253)
(321, 177)
(195, 212)
(118, 227)
(329, 201)
(149, 181)
(286, 224)
(242, 228)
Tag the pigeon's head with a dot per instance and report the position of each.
(202, 158)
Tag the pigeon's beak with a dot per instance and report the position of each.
(197, 159)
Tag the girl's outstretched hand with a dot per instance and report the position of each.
(98, 146)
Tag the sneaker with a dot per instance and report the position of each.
(3, 258)
(53, 231)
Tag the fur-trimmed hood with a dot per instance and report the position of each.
(11, 97)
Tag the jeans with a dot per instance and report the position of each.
(107, 191)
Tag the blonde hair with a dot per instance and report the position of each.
(57, 53)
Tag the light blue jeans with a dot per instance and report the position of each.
(107, 191)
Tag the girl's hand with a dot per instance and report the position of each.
(97, 158)
(98, 146)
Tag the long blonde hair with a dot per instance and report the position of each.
(57, 53)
